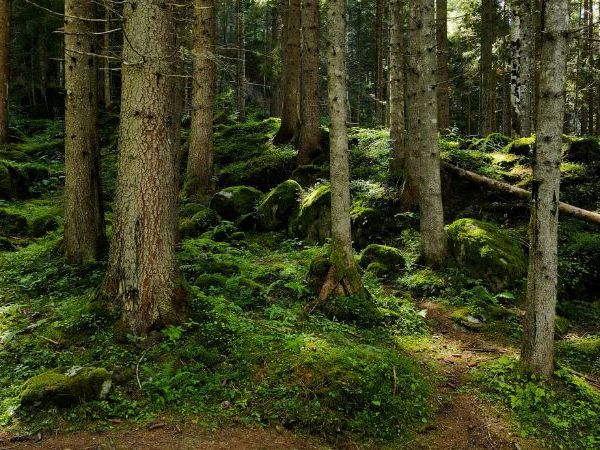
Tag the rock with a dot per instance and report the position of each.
(310, 175)
(201, 221)
(313, 220)
(382, 259)
(463, 317)
(13, 182)
(43, 225)
(12, 224)
(488, 253)
(210, 280)
(368, 225)
(521, 147)
(68, 387)
(491, 143)
(6, 245)
(278, 206)
(233, 202)
(585, 150)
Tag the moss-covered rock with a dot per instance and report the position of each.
(585, 150)
(278, 206)
(42, 225)
(6, 245)
(491, 143)
(64, 388)
(487, 253)
(313, 220)
(369, 224)
(13, 182)
(521, 147)
(233, 202)
(210, 280)
(201, 221)
(12, 224)
(389, 258)
(310, 175)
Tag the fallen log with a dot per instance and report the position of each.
(565, 208)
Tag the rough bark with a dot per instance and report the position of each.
(310, 111)
(488, 78)
(423, 130)
(107, 84)
(521, 30)
(291, 72)
(84, 221)
(277, 34)
(538, 339)
(443, 99)
(397, 84)
(379, 61)
(343, 277)
(200, 168)
(241, 60)
(4, 67)
(142, 276)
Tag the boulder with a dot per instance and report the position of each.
(13, 182)
(521, 147)
(488, 253)
(310, 175)
(313, 220)
(279, 205)
(43, 225)
(585, 150)
(369, 224)
(382, 259)
(233, 202)
(201, 221)
(12, 224)
(68, 387)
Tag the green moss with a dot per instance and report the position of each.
(310, 175)
(389, 257)
(66, 387)
(584, 150)
(202, 220)
(313, 220)
(492, 142)
(579, 265)
(424, 283)
(487, 253)
(210, 280)
(581, 352)
(278, 206)
(473, 160)
(233, 202)
(521, 146)
(12, 224)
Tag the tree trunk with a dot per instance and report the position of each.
(397, 119)
(443, 99)
(107, 88)
(538, 339)
(590, 98)
(142, 276)
(241, 59)
(343, 277)
(4, 68)
(488, 79)
(422, 129)
(277, 34)
(379, 61)
(200, 168)
(291, 69)
(310, 111)
(84, 219)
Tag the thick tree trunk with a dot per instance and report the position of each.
(291, 73)
(488, 78)
(4, 67)
(422, 129)
(538, 339)
(84, 221)
(200, 168)
(443, 99)
(107, 84)
(397, 84)
(343, 277)
(310, 111)
(379, 61)
(142, 276)
(241, 59)
(521, 30)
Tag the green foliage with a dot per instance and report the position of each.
(521, 147)
(313, 220)
(236, 201)
(278, 206)
(579, 265)
(581, 353)
(390, 258)
(491, 143)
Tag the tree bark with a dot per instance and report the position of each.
(521, 29)
(277, 36)
(107, 84)
(379, 61)
(84, 217)
(343, 277)
(443, 99)
(142, 276)
(310, 111)
(200, 167)
(538, 339)
(241, 59)
(397, 85)
(488, 78)
(291, 69)
(4, 67)
(422, 129)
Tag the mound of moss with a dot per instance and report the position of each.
(233, 202)
(12, 224)
(487, 253)
(369, 224)
(579, 266)
(310, 175)
(313, 220)
(585, 150)
(202, 220)
(382, 259)
(493, 142)
(278, 206)
(521, 147)
(65, 388)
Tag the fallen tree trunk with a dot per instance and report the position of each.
(565, 208)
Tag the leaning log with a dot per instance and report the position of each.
(565, 208)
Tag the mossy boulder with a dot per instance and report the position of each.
(313, 220)
(12, 224)
(66, 387)
(6, 245)
(309, 175)
(278, 206)
(491, 143)
(233, 202)
(201, 221)
(521, 147)
(487, 252)
(369, 224)
(40, 226)
(210, 280)
(381, 259)
(585, 150)
(13, 182)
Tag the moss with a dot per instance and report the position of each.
(584, 150)
(6, 245)
(13, 182)
(233, 202)
(379, 270)
(42, 225)
(424, 283)
(465, 317)
(491, 143)
(310, 175)
(12, 224)
(487, 253)
(313, 220)
(473, 160)
(210, 280)
(581, 353)
(389, 257)
(369, 224)
(66, 387)
(278, 206)
(202, 220)
(579, 265)
(561, 326)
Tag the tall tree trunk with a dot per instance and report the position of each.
(4, 67)
(422, 130)
(200, 168)
(84, 220)
(397, 119)
(142, 275)
(241, 59)
(488, 78)
(443, 99)
(521, 34)
(277, 35)
(590, 98)
(379, 61)
(506, 104)
(538, 339)
(291, 69)
(310, 111)
(107, 85)
(343, 277)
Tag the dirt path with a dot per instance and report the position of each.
(463, 421)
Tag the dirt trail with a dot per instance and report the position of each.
(463, 421)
